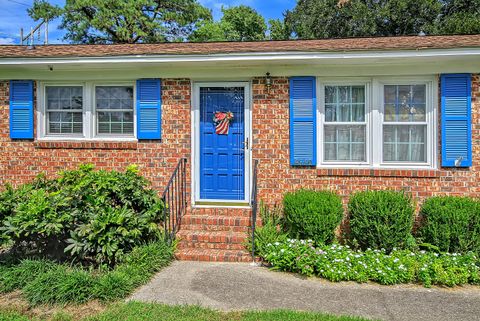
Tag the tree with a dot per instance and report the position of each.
(124, 21)
(278, 30)
(407, 17)
(459, 16)
(329, 18)
(353, 18)
(241, 23)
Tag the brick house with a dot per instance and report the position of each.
(344, 114)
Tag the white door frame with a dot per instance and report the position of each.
(195, 156)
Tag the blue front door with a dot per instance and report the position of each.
(222, 157)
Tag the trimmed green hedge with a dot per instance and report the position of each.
(381, 219)
(452, 224)
(312, 215)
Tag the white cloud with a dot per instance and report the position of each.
(7, 41)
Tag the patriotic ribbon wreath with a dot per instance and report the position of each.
(222, 122)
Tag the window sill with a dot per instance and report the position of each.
(418, 173)
(86, 145)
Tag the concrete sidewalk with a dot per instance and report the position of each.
(236, 286)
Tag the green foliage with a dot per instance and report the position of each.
(459, 17)
(240, 23)
(18, 275)
(127, 21)
(327, 19)
(270, 231)
(381, 219)
(46, 282)
(278, 30)
(451, 223)
(312, 215)
(348, 18)
(88, 215)
(340, 263)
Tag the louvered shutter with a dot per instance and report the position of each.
(456, 120)
(303, 136)
(21, 109)
(149, 109)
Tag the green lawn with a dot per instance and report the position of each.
(155, 312)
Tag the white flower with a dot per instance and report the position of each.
(396, 260)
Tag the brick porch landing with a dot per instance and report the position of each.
(214, 235)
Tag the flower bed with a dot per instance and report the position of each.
(341, 263)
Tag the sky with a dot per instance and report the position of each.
(13, 15)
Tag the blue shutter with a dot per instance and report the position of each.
(303, 133)
(21, 109)
(149, 109)
(456, 120)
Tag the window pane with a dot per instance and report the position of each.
(344, 143)
(115, 122)
(404, 103)
(65, 123)
(345, 103)
(64, 97)
(114, 97)
(404, 143)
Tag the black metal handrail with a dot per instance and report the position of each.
(175, 199)
(254, 205)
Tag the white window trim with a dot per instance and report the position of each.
(89, 112)
(374, 119)
(322, 122)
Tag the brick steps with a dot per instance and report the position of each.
(224, 240)
(216, 223)
(213, 255)
(214, 235)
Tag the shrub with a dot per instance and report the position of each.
(312, 215)
(381, 219)
(451, 223)
(89, 215)
(340, 263)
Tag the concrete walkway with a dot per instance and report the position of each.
(236, 286)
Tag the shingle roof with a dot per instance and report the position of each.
(349, 44)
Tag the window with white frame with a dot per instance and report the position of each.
(87, 111)
(114, 109)
(345, 124)
(404, 123)
(64, 109)
(379, 123)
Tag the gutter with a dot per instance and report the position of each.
(247, 57)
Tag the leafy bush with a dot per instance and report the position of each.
(312, 215)
(270, 230)
(90, 215)
(381, 219)
(451, 223)
(340, 263)
(46, 282)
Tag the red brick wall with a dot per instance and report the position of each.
(21, 160)
(276, 176)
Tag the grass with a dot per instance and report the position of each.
(45, 282)
(133, 311)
